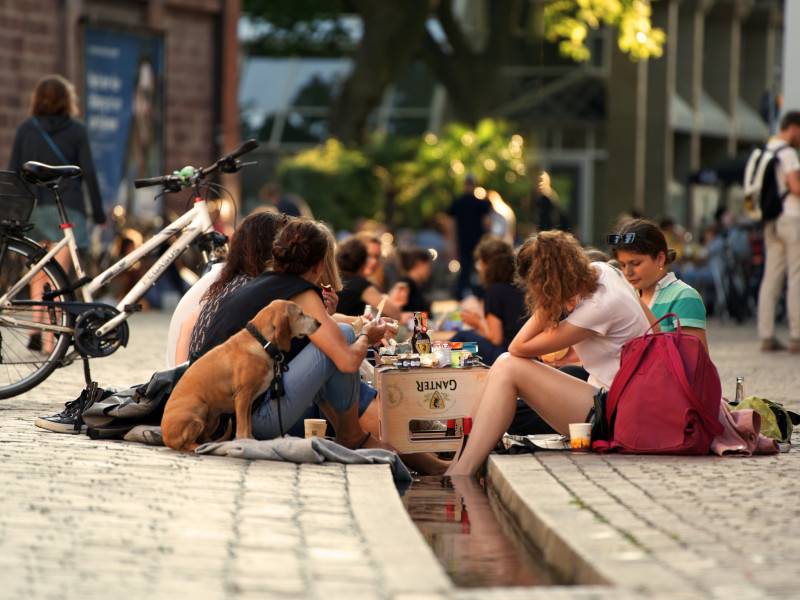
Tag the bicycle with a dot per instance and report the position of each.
(93, 329)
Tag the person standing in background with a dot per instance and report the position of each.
(470, 219)
(782, 242)
(52, 135)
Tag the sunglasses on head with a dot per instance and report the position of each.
(625, 238)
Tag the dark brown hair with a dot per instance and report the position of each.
(351, 255)
(299, 246)
(53, 95)
(251, 249)
(411, 255)
(648, 239)
(498, 256)
(554, 269)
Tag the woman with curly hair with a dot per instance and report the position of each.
(604, 312)
(503, 301)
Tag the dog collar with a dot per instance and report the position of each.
(268, 346)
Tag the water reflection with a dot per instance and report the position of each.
(456, 518)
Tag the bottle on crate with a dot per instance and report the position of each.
(739, 390)
(467, 430)
(420, 340)
(451, 428)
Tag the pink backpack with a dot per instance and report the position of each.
(665, 397)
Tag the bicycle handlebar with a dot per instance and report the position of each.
(179, 180)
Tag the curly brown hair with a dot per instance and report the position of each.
(53, 95)
(554, 269)
(498, 256)
(251, 249)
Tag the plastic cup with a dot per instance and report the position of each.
(580, 437)
(315, 427)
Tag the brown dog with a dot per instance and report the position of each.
(229, 377)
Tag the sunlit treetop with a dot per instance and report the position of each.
(568, 22)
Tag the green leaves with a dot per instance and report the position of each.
(570, 20)
(406, 181)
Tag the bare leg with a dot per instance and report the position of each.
(424, 463)
(37, 291)
(558, 398)
(349, 432)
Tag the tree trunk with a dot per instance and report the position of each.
(393, 31)
(472, 76)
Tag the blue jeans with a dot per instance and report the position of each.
(312, 378)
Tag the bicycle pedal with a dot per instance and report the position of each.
(132, 308)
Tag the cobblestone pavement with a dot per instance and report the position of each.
(674, 526)
(81, 518)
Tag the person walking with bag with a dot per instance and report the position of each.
(782, 241)
(604, 313)
(52, 135)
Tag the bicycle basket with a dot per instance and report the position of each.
(16, 199)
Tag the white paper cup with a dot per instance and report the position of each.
(315, 427)
(580, 437)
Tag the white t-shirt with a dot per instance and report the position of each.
(187, 305)
(613, 312)
(789, 162)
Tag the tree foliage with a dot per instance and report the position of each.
(406, 181)
(394, 32)
(568, 22)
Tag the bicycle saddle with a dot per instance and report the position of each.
(42, 174)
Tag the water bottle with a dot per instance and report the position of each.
(739, 390)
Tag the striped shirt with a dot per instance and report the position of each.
(674, 296)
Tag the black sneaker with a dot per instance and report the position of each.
(35, 342)
(69, 420)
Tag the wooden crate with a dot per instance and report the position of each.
(424, 394)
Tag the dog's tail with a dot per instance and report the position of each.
(227, 435)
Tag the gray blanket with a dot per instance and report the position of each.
(309, 450)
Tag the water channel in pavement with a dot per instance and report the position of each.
(471, 536)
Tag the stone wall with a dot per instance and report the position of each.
(38, 37)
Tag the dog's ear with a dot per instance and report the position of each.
(283, 330)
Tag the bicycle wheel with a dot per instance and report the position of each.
(28, 356)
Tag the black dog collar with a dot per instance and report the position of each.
(268, 346)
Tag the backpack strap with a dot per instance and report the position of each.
(49, 140)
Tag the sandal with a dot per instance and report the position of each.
(364, 441)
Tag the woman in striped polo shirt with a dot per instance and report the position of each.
(643, 254)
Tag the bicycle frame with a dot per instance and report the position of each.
(196, 221)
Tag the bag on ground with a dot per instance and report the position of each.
(665, 397)
(114, 415)
(763, 199)
(776, 421)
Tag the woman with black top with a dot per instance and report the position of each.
(357, 291)
(417, 264)
(504, 309)
(53, 136)
(323, 368)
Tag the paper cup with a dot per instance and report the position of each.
(315, 427)
(580, 437)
